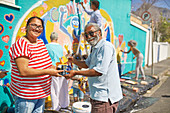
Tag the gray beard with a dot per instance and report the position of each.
(94, 42)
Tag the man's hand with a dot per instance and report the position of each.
(82, 5)
(70, 75)
(70, 59)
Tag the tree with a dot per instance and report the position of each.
(164, 29)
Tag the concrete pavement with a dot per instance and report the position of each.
(161, 91)
(159, 68)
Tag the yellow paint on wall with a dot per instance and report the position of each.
(123, 45)
(49, 30)
(69, 29)
(105, 15)
(56, 3)
(36, 12)
(50, 27)
(109, 23)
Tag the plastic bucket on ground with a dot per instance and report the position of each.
(81, 107)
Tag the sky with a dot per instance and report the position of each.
(160, 3)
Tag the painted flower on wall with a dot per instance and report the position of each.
(23, 30)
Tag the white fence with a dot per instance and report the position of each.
(161, 51)
(169, 51)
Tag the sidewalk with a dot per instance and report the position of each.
(159, 68)
(161, 91)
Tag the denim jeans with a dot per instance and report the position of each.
(29, 106)
(77, 92)
(11, 110)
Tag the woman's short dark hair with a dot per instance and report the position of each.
(30, 19)
(95, 3)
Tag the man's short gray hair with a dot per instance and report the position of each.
(96, 26)
(54, 36)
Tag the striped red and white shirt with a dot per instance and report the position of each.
(30, 87)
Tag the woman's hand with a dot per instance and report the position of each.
(53, 67)
(55, 73)
(121, 50)
(134, 57)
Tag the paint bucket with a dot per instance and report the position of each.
(81, 107)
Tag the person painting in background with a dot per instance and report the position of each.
(96, 16)
(59, 87)
(103, 76)
(31, 70)
(139, 61)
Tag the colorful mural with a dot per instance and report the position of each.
(1, 29)
(5, 37)
(8, 18)
(120, 44)
(68, 19)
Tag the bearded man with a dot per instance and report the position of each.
(102, 73)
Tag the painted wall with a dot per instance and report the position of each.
(68, 19)
(124, 31)
(140, 36)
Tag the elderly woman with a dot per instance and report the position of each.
(132, 44)
(31, 70)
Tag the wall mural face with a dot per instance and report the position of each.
(68, 19)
